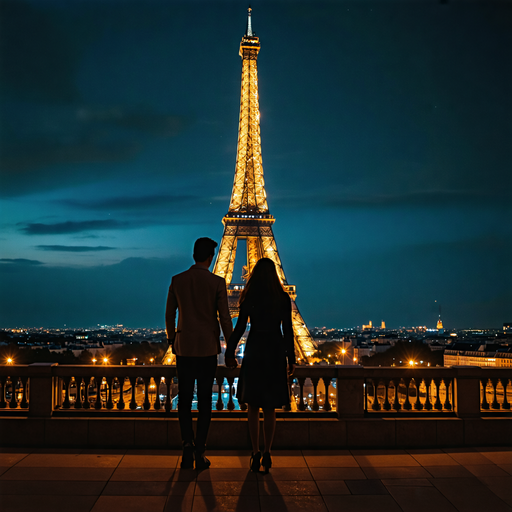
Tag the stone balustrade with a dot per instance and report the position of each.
(46, 390)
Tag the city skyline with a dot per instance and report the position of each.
(385, 130)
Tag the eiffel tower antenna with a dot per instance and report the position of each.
(248, 216)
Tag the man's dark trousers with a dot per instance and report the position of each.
(189, 370)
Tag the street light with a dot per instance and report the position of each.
(94, 360)
(411, 363)
(10, 360)
(343, 352)
(105, 360)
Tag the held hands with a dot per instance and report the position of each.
(231, 363)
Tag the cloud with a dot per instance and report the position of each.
(74, 248)
(63, 137)
(128, 203)
(62, 228)
(20, 261)
(35, 152)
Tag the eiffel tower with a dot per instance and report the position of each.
(248, 216)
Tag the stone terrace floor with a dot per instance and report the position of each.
(440, 480)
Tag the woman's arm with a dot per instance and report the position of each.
(241, 324)
(288, 330)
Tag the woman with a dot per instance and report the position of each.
(263, 381)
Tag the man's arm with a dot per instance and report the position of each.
(223, 309)
(170, 315)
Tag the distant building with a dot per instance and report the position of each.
(486, 355)
(439, 326)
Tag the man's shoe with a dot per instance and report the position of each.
(187, 459)
(201, 461)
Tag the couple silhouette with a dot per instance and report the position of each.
(200, 300)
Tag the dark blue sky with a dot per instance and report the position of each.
(386, 139)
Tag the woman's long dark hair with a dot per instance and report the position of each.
(264, 286)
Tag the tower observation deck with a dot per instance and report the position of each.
(248, 216)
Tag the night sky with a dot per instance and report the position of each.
(386, 137)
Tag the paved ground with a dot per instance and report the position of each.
(465, 480)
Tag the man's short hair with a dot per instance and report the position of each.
(204, 248)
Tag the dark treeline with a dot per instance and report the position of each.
(143, 352)
(404, 351)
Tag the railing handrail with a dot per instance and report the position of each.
(333, 371)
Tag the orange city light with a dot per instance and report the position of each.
(10, 360)
(411, 362)
(105, 360)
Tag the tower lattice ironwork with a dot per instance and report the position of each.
(248, 216)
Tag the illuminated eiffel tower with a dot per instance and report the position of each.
(248, 217)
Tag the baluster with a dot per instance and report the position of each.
(428, 403)
(407, 406)
(157, 405)
(231, 404)
(13, 403)
(302, 405)
(418, 406)
(110, 402)
(220, 404)
(386, 405)
(376, 404)
(396, 402)
(120, 402)
(168, 400)
(3, 403)
(505, 405)
(98, 382)
(24, 402)
(66, 381)
(133, 402)
(78, 401)
(449, 397)
(147, 404)
(484, 405)
(495, 404)
(327, 403)
(438, 406)
(315, 380)
(87, 384)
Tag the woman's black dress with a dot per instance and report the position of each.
(263, 380)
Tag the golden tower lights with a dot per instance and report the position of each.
(248, 216)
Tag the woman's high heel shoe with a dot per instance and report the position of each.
(266, 462)
(255, 462)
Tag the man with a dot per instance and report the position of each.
(199, 296)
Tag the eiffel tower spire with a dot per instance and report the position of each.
(248, 215)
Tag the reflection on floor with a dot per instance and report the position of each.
(465, 480)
